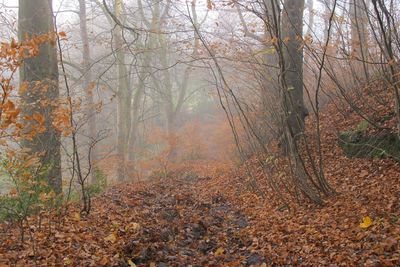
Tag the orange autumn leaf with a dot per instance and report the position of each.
(62, 34)
(23, 88)
(39, 118)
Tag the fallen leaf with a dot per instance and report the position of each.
(131, 264)
(112, 238)
(364, 173)
(76, 217)
(390, 244)
(104, 261)
(219, 252)
(67, 261)
(367, 222)
(132, 226)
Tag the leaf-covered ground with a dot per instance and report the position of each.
(184, 221)
(214, 219)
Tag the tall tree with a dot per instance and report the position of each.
(270, 63)
(87, 77)
(40, 73)
(293, 102)
(171, 90)
(292, 32)
(359, 35)
(310, 23)
(327, 13)
(128, 99)
(270, 58)
(148, 45)
(123, 95)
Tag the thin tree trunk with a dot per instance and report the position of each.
(123, 97)
(327, 13)
(310, 6)
(87, 78)
(359, 37)
(270, 75)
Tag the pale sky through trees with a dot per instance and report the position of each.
(68, 17)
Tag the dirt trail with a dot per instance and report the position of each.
(181, 228)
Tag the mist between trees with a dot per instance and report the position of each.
(100, 92)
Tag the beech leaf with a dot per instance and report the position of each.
(367, 222)
(219, 252)
(112, 238)
(131, 264)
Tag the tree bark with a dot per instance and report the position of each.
(327, 13)
(270, 83)
(310, 7)
(36, 18)
(359, 36)
(292, 32)
(123, 96)
(87, 79)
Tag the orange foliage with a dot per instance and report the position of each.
(62, 120)
(12, 55)
(13, 126)
(197, 142)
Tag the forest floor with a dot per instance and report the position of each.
(188, 221)
(213, 218)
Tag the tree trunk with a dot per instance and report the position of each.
(36, 18)
(269, 90)
(87, 78)
(123, 96)
(292, 31)
(327, 13)
(167, 96)
(310, 7)
(359, 36)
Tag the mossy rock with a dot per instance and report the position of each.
(357, 144)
